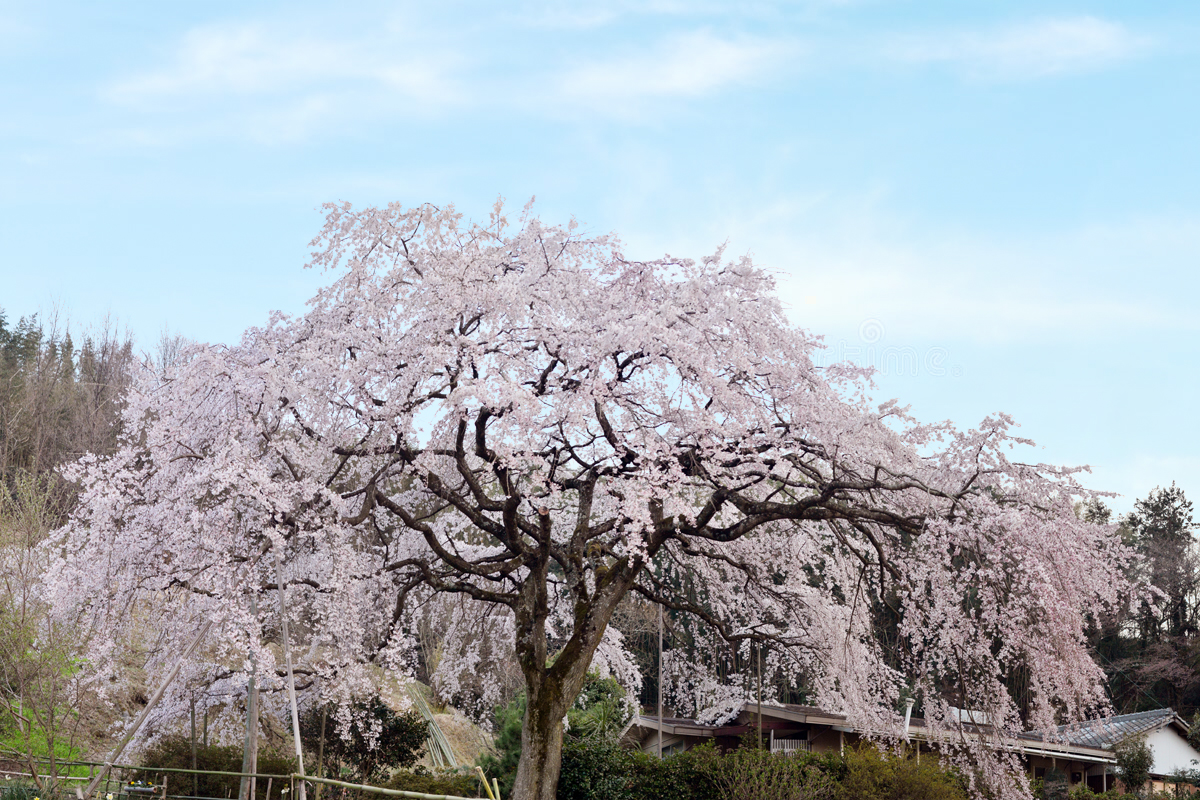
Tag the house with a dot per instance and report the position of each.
(1164, 730)
(787, 728)
(1083, 752)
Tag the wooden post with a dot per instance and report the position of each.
(320, 753)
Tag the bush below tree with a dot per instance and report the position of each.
(175, 752)
(603, 771)
(420, 779)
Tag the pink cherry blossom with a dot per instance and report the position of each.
(521, 426)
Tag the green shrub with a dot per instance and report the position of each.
(1134, 761)
(420, 779)
(872, 775)
(594, 769)
(753, 774)
(18, 791)
(600, 710)
(400, 742)
(175, 752)
(503, 765)
(1084, 793)
(597, 716)
(683, 776)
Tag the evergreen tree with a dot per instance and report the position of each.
(1161, 526)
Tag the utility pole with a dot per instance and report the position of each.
(660, 681)
(192, 714)
(758, 646)
(250, 754)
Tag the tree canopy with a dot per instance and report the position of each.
(521, 416)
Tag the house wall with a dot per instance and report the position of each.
(1077, 772)
(1171, 751)
(824, 740)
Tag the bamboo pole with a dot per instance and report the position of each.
(437, 745)
(486, 786)
(287, 657)
(379, 790)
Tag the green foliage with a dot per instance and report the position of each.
(398, 741)
(420, 779)
(1084, 793)
(1055, 785)
(688, 775)
(1150, 656)
(503, 765)
(175, 752)
(39, 696)
(596, 769)
(597, 719)
(753, 774)
(1193, 735)
(1134, 760)
(600, 712)
(19, 791)
(872, 775)
(35, 738)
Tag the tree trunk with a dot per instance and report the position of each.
(541, 744)
(551, 690)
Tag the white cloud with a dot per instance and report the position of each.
(223, 61)
(1029, 50)
(980, 289)
(681, 66)
(568, 14)
(844, 260)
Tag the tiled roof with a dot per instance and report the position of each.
(749, 707)
(1109, 731)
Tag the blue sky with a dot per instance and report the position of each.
(998, 204)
